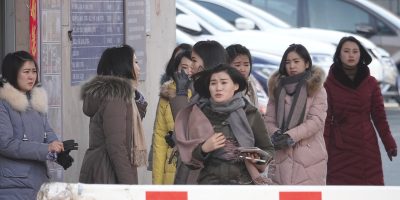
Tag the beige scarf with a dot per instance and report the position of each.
(138, 150)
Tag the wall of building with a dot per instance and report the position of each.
(160, 42)
(65, 113)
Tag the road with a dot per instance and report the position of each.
(391, 169)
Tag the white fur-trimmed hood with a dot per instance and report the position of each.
(19, 101)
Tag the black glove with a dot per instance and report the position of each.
(63, 158)
(182, 82)
(392, 153)
(281, 141)
(141, 104)
(169, 139)
(70, 145)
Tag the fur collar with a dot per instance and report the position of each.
(314, 83)
(19, 101)
(168, 90)
(107, 88)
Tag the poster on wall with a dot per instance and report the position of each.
(137, 24)
(96, 25)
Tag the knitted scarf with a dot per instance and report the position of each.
(296, 87)
(138, 150)
(237, 119)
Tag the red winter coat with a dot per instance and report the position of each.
(354, 108)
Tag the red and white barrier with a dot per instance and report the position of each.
(80, 191)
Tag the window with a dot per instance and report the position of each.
(285, 10)
(336, 15)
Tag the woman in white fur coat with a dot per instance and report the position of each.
(26, 139)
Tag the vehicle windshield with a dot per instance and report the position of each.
(269, 18)
(381, 11)
(206, 15)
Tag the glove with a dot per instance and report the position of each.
(169, 139)
(182, 83)
(392, 153)
(63, 158)
(141, 104)
(276, 135)
(282, 141)
(70, 145)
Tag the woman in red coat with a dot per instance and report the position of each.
(355, 107)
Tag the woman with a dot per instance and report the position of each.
(164, 78)
(116, 137)
(355, 110)
(239, 57)
(295, 119)
(205, 55)
(26, 139)
(210, 131)
(164, 159)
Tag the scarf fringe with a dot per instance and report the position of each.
(140, 158)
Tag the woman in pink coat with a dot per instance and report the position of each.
(295, 120)
(355, 108)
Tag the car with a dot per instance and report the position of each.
(361, 17)
(202, 24)
(382, 66)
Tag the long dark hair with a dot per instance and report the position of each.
(211, 52)
(203, 78)
(11, 65)
(299, 49)
(365, 58)
(117, 61)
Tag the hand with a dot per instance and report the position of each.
(182, 82)
(214, 142)
(56, 147)
(276, 135)
(64, 159)
(392, 153)
(70, 145)
(282, 141)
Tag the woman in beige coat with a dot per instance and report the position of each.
(295, 120)
(116, 139)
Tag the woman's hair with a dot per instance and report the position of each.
(203, 78)
(235, 50)
(12, 63)
(117, 61)
(301, 51)
(172, 67)
(211, 52)
(365, 58)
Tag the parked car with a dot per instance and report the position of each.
(201, 24)
(354, 16)
(382, 66)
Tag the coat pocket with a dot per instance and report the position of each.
(15, 176)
